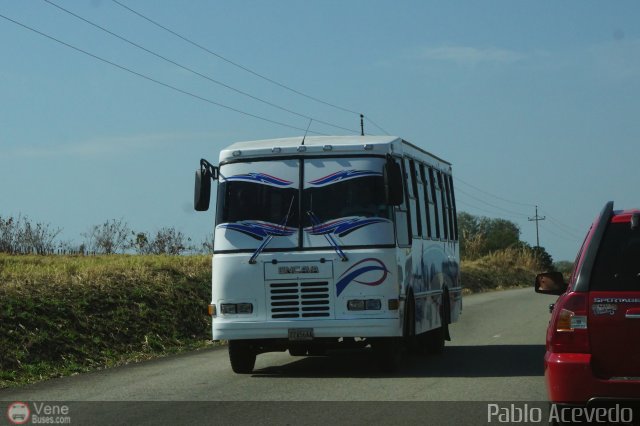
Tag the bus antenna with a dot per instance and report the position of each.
(306, 131)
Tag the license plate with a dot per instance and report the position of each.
(301, 334)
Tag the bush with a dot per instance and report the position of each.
(108, 238)
(18, 235)
(512, 267)
(166, 241)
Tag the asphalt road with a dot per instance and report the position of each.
(495, 356)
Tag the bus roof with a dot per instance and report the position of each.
(314, 145)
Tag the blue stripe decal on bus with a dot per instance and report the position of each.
(350, 275)
(259, 178)
(345, 226)
(343, 175)
(259, 230)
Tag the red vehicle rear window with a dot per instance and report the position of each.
(617, 266)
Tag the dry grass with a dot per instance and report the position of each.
(514, 267)
(64, 314)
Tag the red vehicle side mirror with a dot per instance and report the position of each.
(550, 283)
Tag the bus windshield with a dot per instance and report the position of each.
(362, 197)
(339, 202)
(247, 201)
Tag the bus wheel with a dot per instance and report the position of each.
(435, 338)
(387, 353)
(242, 356)
(409, 328)
(298, 351)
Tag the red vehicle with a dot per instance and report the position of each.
(593, 339)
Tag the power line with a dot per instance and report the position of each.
(569, 233)
(378, 127)
(196, 72)
(491, 205)
(482, 209)
(560, 228)
(242, 67)
(493, 195)
(561, 225)
(559, 236)
(123, 68)
(555, 222)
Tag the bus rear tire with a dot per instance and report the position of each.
(434, 339)
(242, 356)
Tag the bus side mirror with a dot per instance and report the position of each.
(202, 193)
(393, 183)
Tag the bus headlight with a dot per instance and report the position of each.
(236, 308)
(364, 305)
(228, 308)
(355, 305)
(373, 304)
(245, 308)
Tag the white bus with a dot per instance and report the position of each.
(329, 242)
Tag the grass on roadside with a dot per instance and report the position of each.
(509, 268)
(67, 314)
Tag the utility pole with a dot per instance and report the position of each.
(537, 219)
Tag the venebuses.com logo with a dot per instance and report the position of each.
(19, 413)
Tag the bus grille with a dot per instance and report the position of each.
(299, 299)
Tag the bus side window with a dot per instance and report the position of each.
(416, 216)
(427, 202)
(450, 205)
(422, 203)
(403, 224)
(455, 210)
(434, 196)
(444, 207)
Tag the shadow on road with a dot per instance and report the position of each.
(456, 361)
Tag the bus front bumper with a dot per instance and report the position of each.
(227, 330)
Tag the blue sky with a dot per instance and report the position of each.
(532, 102)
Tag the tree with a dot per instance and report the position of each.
(544, 258)
(500, 233)
(167, 240)
(207, 244)
(109, 238)
(18, 235)
(480, 236)
(563, 266)
(141, 243)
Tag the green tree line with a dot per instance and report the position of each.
(21, 235)
(481, 236)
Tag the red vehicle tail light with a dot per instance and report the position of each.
(569, 332)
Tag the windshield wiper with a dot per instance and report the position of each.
(315, 221)
(269, 237)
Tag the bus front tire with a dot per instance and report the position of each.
(387, 353)
(242, 356)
